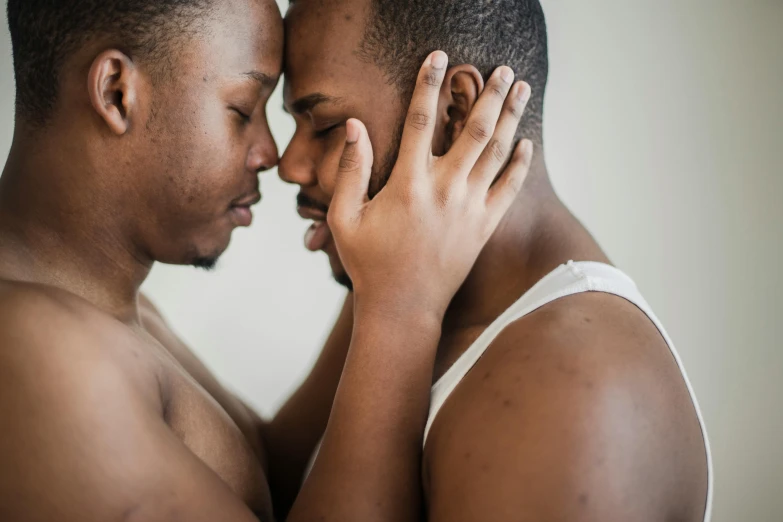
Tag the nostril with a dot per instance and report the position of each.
(269, 165)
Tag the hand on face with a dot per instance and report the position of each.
(414, 244)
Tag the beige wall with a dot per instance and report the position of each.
(664, 134)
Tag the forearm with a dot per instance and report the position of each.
(369, 465)
(290, 438)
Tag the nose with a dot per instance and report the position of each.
(297, 166)
(263, 153)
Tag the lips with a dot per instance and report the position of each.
(248, 201)
(240, 209)
(318, 235)
(311, 213)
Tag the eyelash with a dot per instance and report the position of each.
(242, 116)
(325, 132)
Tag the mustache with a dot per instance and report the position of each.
(305, 201)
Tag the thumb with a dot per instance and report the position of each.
(353, 173)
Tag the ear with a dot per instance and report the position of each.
(461, 88)
(113, 87)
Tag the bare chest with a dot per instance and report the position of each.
(213, 436)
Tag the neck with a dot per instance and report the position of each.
(537, 235)
(57, 229)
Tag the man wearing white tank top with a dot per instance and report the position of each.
(558, 395)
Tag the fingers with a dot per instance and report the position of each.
(419, 127)
(353, 174)
(500, 146)
(482, 120)
(505, 191)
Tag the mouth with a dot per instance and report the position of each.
(318, 235)
(240, 209)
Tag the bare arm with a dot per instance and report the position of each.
(293, 434)
(83, 435)
(405, 272)
(565, 420)
(368, 465)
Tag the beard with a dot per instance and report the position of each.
(205, 263)
(381, 174)
(204, 260)
(343, 280)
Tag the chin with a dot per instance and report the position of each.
(205, 256)
(205, 263)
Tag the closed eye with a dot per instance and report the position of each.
(242, 116)
(325, 132)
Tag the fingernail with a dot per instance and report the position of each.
(528, 148)
(438, 59)
(507, 74)
(524, 92)
(351, 132)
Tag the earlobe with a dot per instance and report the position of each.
(111, 83)
(464, 84)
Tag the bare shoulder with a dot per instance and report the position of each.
(55, 345)
(38, 317)
(83, 435)
(62, 388)
(576, 412)
(23, 305)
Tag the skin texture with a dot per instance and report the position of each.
(109, 416)
(576, 412)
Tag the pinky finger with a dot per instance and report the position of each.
(507, 187)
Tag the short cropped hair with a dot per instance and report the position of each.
(45, 33)
(484, 33)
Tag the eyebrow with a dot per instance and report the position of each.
(264, 79)
(309, 102)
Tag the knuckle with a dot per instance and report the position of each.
(430, 78)
(516, 110)
(461, 164)
(497, 150)
(443, 196)
(409, 198)
(348, 162)
(420, 195)
(419, 119)
(497, 90)
(479, 130)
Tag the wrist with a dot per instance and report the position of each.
(397, 312)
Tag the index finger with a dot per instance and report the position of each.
(483, 118)
(419, 127)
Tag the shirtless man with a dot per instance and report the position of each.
(140, 133)
(557, 395)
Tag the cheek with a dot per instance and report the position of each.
(207, 161)
(327, 171)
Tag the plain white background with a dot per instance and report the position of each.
(663, 133)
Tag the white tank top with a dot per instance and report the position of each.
(569, 279)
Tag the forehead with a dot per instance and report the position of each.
(244, 35)
(323, 40)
